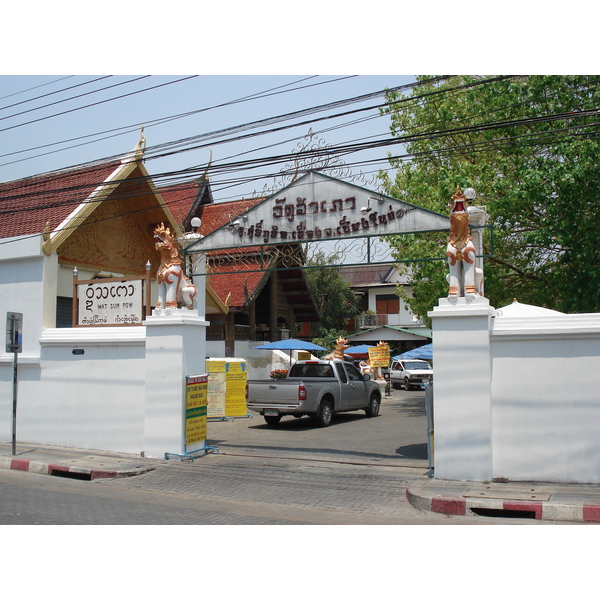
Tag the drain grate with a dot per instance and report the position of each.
(504, 513)
(71, 474)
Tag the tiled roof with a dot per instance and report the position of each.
(365, 274)
(26, 205)
(216, 215)
(179, 199)
(239, 285)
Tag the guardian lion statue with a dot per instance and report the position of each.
(175, 290)
(464, 278)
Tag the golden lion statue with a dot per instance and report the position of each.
(174, 288)
(340, 345)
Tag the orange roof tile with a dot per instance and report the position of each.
(26, 205)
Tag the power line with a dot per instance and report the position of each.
(100, 102)
(54, 92)
(128, 128)
(35, 87)
(74, 97)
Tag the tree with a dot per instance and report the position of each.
(529, 145)
(335, 302)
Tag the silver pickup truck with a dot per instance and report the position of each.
(318, 388)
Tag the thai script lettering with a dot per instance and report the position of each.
(287, 213)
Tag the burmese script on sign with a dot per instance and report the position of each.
(110, 303)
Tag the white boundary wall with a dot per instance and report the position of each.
(515, 397)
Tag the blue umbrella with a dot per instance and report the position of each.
(364, 349)
(290, 345)
(424, 352)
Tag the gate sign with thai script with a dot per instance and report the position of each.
(114, 302)
(317, 208)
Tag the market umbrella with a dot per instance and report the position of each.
(290, 345)
(364, 349)
(424, 352)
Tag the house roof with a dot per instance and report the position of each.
(28, 204)
(388, 333)
(371, 275)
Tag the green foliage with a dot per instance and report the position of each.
(335, 302)
(539, 181)
(327, 339)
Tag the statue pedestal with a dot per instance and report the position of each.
(175, 348)
(462, 389)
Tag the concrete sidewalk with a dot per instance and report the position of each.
(578, 503)
(73, 462)
(543, 501)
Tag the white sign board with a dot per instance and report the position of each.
(114, 302)
(319, 208)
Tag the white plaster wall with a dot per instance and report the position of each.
(546, 399)
(24, 284)
(95, 400)
(515, 397)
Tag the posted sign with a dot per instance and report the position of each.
(195, 412)
(379, 356)
(227, 388)
(110, 303)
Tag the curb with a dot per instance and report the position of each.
(42, 468)
(549, 511)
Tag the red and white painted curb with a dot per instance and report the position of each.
(550, 511)
(42, 468)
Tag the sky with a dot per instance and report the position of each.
(238, 49)
(197, 57)
(50, 122)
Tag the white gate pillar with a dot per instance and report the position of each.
(175, 348)
(462, 389)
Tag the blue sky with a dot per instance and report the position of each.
(237, 48)
(44, 126)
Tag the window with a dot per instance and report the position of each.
(387, 304)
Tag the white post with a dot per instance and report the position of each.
(175, 348)
(462, 389)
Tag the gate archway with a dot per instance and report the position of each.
(315, 213)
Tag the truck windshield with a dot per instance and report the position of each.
(311, 371)
(417, 364)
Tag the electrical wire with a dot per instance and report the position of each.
(129, 128)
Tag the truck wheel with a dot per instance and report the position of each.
(325, 415)
(372, 409)
(406, 385)
(272, 419)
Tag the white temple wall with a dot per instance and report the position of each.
(523, 406)
(93, 398)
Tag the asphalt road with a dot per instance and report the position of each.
(397, 437)
(354, 472)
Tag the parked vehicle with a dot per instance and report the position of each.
(319, 388)
(410, 373)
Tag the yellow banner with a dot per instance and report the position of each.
(196, 395)
(379, 356)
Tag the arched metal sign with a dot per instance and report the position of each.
(315, 213)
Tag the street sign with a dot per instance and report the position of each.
(14, 332)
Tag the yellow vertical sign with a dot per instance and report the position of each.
(227, 388)
(195, 409)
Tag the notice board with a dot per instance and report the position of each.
(227, 388)
(195, 412)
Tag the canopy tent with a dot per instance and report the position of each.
(291, 344)
(361, 351)
(423, 352)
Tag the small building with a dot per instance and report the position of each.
(385, 316)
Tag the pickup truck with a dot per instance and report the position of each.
(410, 373)
(318, 388)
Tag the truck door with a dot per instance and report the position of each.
(345, 389)
(356, 384)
